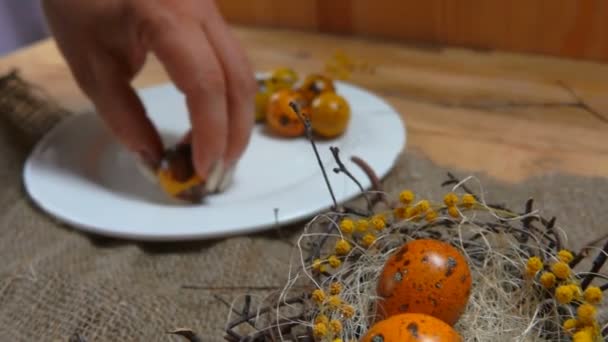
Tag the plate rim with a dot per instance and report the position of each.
(128, 234)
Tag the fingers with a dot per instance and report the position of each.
(192, 65)
(240, 82)
(103, 76)
(122, 110)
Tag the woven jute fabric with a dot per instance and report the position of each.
(56, 281)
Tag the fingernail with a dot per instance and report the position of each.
(215, 177)
(227, 179)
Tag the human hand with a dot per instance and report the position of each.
(106, 43)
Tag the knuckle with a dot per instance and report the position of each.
(156, 27)
(210, 84)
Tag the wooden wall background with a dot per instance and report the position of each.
(567, 28)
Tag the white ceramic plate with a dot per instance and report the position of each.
(79, 174)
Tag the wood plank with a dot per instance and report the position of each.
(293, 14)
(575, 29)
(335, 16)
(509, 115)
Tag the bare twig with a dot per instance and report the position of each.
(584, 252)
(241, 314)
(247, 318)
(549, 227)
(354, 211)
(599, 261)
(595, 275)
(580, 256)
(247, 305)
(373, 179)
(335, 151)
(597, 240)
(528, 219)
(187, 334)
(283, 324)
(308, 130)
(453, 180)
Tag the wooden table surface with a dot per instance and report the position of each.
(508, 115)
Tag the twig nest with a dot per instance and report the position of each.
(411, 327)
(425, 276)
(177, 177)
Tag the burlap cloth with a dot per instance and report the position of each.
(56, 281)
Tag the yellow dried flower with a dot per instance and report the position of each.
(321, 318)
(450, 199)
(335, 326)
(347, 226)
(564, 294)
(561, 270)
(431, 215)
(323, 269)
(368, 240)
(335, 288)
(400, 212)
(547, 280)
(334, 261)
(593, 295)
(347, 310)
(533, 265)
(316, 264)
(584, 335)
(577, 291)
(423, 206)
(362, 225)
(320, 330)
(468, 201)
(334, 302)
(453, 211)
(378, 222)
(342, 247)
(570, 324)
(565, 256)
(586, 314)
(318, 296)
(406, 197)
(411, 212)
(338, 340)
